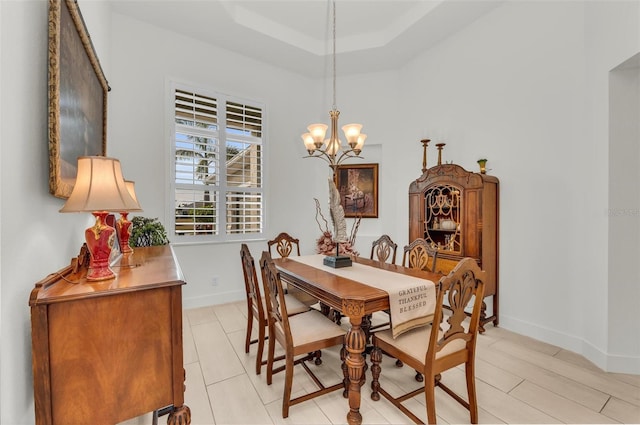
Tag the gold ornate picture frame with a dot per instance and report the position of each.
(77, 96)
(358, 187)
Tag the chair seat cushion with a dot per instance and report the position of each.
(416, 341)
(294, 306)
(312, 326)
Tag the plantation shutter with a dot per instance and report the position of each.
(218, 169)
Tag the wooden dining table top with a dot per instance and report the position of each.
(333, 289)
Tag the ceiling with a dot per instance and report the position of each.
(371, 35)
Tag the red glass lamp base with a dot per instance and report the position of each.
(100, 241)
(123, 226)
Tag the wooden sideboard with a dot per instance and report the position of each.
(104, 352)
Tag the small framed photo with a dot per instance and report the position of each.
(358, 187)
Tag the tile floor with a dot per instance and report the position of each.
(519, 380)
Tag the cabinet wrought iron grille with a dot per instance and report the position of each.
(443, 206)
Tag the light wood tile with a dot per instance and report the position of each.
(235, 401)
(576, 359)
(196, 396)
(559, 407)
(231, 317)
(218, 359)
(622, 411)
(594, 379)
(189, 353)
(495, 375)
(629, 379)
(580, 393)
(197, 316)
(504, 406)
(303, 413)
(525, 341)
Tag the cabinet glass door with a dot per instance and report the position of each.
(442, 207)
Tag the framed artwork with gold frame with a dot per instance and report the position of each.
(77, 91)
(358, 187)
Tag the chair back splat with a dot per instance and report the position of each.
(443, 345)
(285, 245)
(384, 250)
(419, 255)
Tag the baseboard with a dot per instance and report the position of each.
(213, 299)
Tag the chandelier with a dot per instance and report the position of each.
(331, 149)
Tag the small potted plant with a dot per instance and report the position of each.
(482, 162)
(147, 232)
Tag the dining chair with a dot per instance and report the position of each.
(383, 249)
(441, 345)
(285, 246)
(419, 255)
(256, 306)
(299, 335)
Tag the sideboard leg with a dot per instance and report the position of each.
(180, 416)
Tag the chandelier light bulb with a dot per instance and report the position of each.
(360, 143)
(351, 132)
(309, 143)
(318, 132)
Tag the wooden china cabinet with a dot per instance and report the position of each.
(456, 211)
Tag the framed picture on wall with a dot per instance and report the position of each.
(358, 187)
(77, 97)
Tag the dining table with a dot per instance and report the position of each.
(353, 298)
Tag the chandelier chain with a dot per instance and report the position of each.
(334, 55)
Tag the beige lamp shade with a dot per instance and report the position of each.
(131, 188)
(99, 187)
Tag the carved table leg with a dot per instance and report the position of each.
(355, 341)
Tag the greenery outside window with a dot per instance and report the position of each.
(217, 172)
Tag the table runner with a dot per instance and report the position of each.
(412, 300)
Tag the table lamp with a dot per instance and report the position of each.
(99, 189)
(123, 225)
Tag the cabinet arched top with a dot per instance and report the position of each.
(450, 173)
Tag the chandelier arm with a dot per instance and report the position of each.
(347, 154)
(322, 155)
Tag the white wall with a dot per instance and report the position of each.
(624, 208)
(614, 37)
(145, 59)
(533, 102)
(36, 239)
(526, 99)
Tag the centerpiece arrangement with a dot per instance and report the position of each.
(339, 229)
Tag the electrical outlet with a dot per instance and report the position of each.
(214, 281)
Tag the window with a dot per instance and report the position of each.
(217, 151)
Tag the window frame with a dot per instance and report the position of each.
(222, 188)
